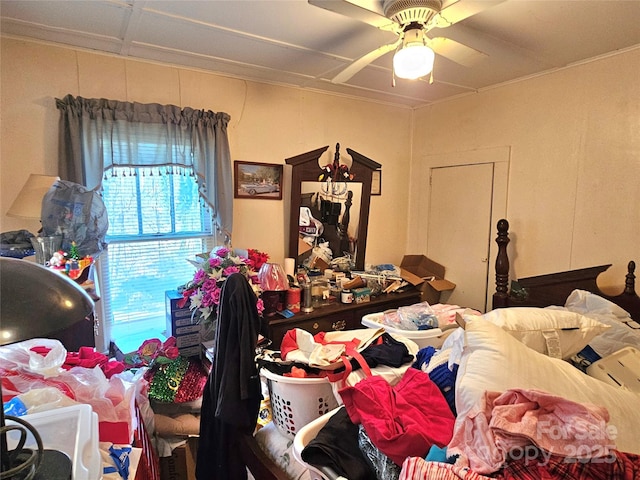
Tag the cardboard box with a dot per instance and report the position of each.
(421, 271)
(181, 325)
(172, 298)
(181, 465)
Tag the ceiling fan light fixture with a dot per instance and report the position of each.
(415, 59)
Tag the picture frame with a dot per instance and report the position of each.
(376, 182)
(256, 180)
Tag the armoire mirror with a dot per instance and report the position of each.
(340, 205)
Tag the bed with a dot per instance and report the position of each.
(554, 288)
(486, 364)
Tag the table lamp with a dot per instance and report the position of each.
(36, 302)
(28, 205)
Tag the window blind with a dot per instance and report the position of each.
(157, 223)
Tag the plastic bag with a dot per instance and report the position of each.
(23, 369)
(43, 356)
(382, 465)
(419, 316)
(78, 215)
(37, 400)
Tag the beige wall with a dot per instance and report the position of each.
(268, 124)
(573, 138)
(572, 141)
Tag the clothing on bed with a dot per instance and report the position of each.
(516, 419)
(232, 394)
(385, 351)
(401, 420)
(435, 363)
(336, 446)
(417, 468)
(616, 466)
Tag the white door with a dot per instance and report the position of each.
(459, 229)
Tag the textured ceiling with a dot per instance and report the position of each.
(292, 42)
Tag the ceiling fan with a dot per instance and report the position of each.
(411, 20)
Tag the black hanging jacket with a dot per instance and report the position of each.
(232, 394)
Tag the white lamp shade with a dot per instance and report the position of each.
(28, 203)
(413, 61)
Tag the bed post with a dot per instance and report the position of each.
(630, 279)
(502, 266)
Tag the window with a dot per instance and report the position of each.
(156, 223)
(165, 175)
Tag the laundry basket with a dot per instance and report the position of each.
(297, 401)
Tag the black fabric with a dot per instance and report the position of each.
(282, 368)
(390, 352)
(336, 446)
(232, 394)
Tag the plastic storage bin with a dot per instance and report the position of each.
(72, 430)
(297, 401)
(423, 338)
(304, 436)
(621, 369)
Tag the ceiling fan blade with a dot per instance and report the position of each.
(363, 61)
(456, 51)
(367, 11)
(461, 9)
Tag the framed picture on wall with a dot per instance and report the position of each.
(257, 180)
(376, 182)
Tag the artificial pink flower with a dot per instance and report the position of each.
(231, 270)
(171, 353)
(149, 348)
(207, 281)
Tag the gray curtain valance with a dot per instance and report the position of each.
(99, 134)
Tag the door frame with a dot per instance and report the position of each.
(500, 157)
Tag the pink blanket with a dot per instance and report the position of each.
(525, 423)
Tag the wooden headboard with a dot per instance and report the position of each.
(554, 288)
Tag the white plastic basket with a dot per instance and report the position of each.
(424, 338)
(304, 436)
(297, 401)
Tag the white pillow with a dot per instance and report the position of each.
(495, 361)
(557, 333)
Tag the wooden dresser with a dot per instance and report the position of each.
(338, 316)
